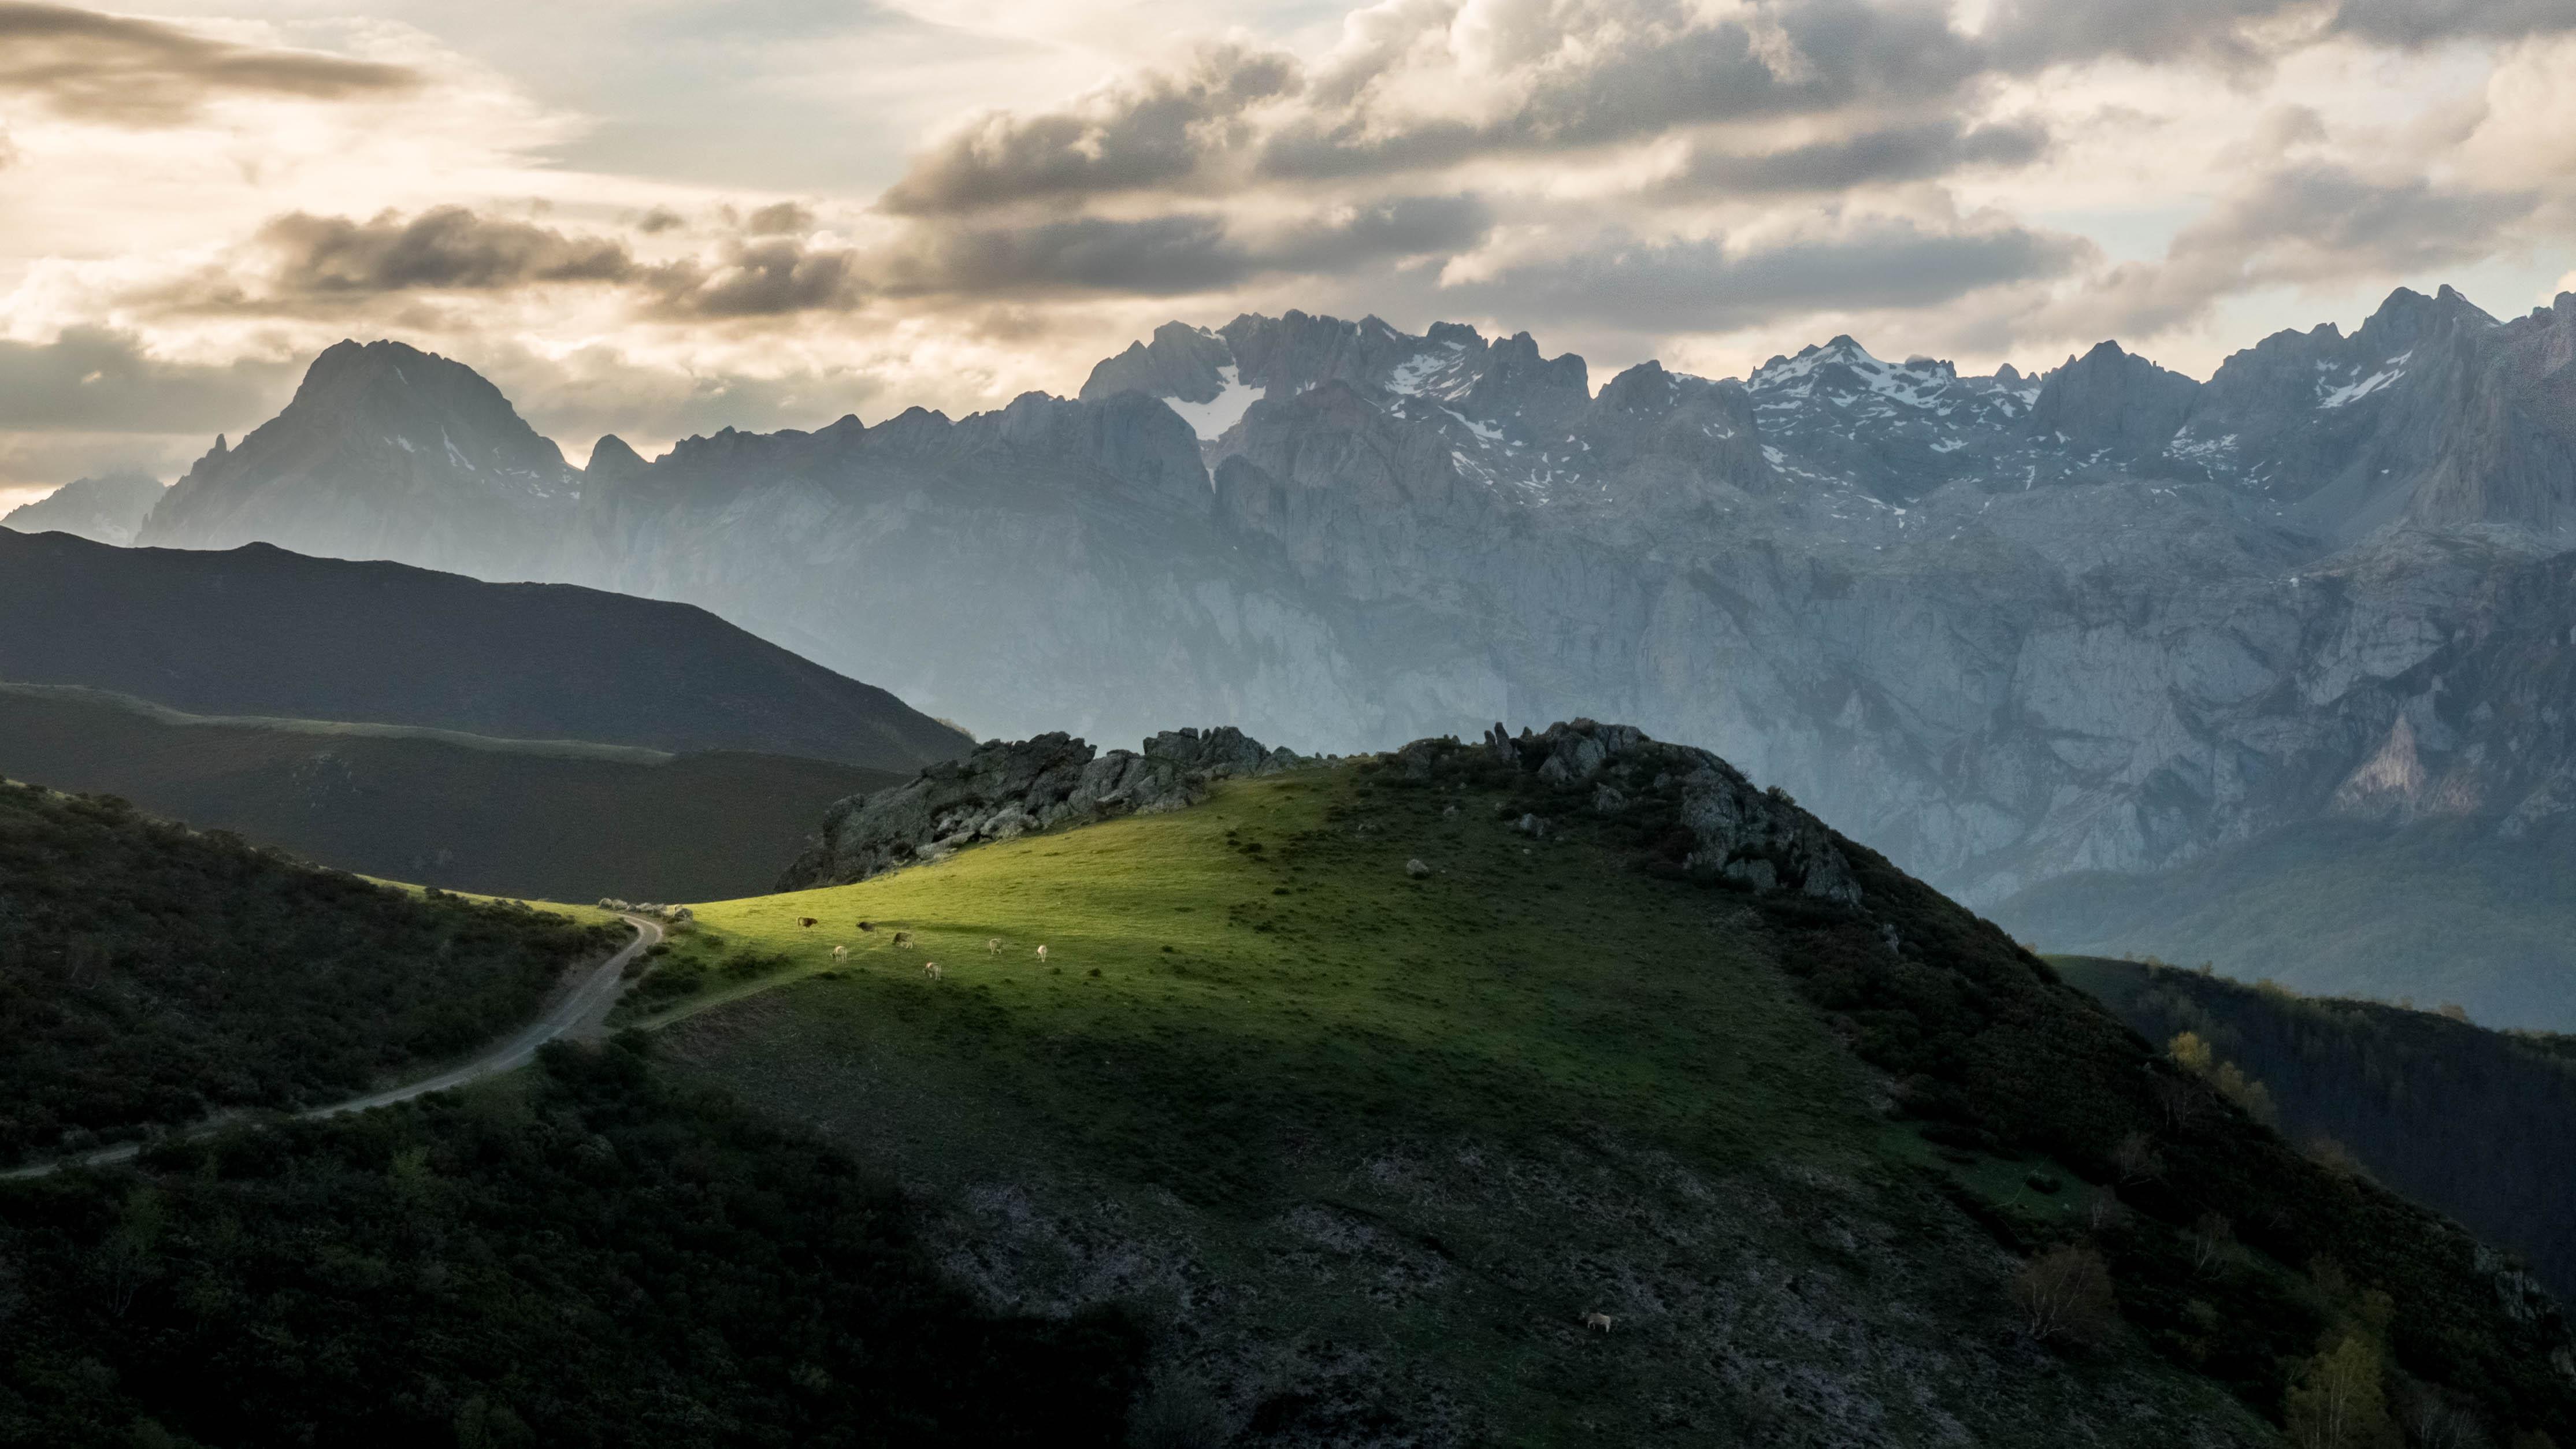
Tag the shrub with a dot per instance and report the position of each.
(2064, 1295)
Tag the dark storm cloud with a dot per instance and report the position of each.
(448, 247)
(144, 73)
(92, 380)
(1895, 153)
(1689, 286)
(1152, 130)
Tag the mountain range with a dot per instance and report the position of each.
(2008, 628)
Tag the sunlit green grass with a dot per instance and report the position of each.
(1223, 979)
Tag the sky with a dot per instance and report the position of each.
(658, 219)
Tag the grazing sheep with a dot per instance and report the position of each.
(930, 969)
(840, 953)
(1041, 953)
(903, 940)
(993, 944)
(807, 922)
(1597, 1320)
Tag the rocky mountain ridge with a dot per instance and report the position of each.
(2002, 627)
(109, 508)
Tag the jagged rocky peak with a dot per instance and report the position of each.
(1190, 364)
(1007, 788)
(612, 460)
(2112, 399)
(109, 508)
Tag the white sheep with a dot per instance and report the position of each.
(840, 953)
(1041, 953)
(930, 969)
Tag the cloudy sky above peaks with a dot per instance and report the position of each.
(657, 218)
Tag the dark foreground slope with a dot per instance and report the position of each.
(2478, 1123)
(152, 975)
(259, 631)
(1364, 1084)
(579, 1257)
(499, 817)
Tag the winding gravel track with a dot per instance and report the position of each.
(580, 1013)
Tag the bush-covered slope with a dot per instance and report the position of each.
(150, 974)
(2444, 910)
(584, 1258)
(260, 631)
(1365, 1142)
(2478, 1123)
(498, 817)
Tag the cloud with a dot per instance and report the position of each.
(784, 218)
(132, 72)
(1578, 74)
(2415, 23)
(447, 247)
(1914, 152)
(761, 278)
(93, 380)
(1149, 130)
(2311, 223)
(1663, 287)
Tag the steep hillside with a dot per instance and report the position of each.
(2478, 1123)
(1364, 1084)
(2439, 910)
(258, 631)
(108, 509)
(153, 975)
(497, 817)
(2002, 627)
(583, 1256)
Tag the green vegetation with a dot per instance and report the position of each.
(554, 819)
(2445, 910)
(153, 975)
(2470, 1121)
(1303, 1107)
(580, 1256)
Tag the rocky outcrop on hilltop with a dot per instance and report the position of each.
(1011, 787)
(1752, 837)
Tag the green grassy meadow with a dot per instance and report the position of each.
(1352, 1137)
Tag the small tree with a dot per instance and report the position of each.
(2064, 1295)
(2136, 1159)
(2191, 1053)
(2337, 1402)
(2213, 1241)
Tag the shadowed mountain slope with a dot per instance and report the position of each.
(259, 631)
(498, 817)
(2479, 1124)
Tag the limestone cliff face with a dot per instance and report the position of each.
(2000, 627)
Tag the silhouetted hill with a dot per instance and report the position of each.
(259, 631)
(2478, 1123)
(498, 817)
